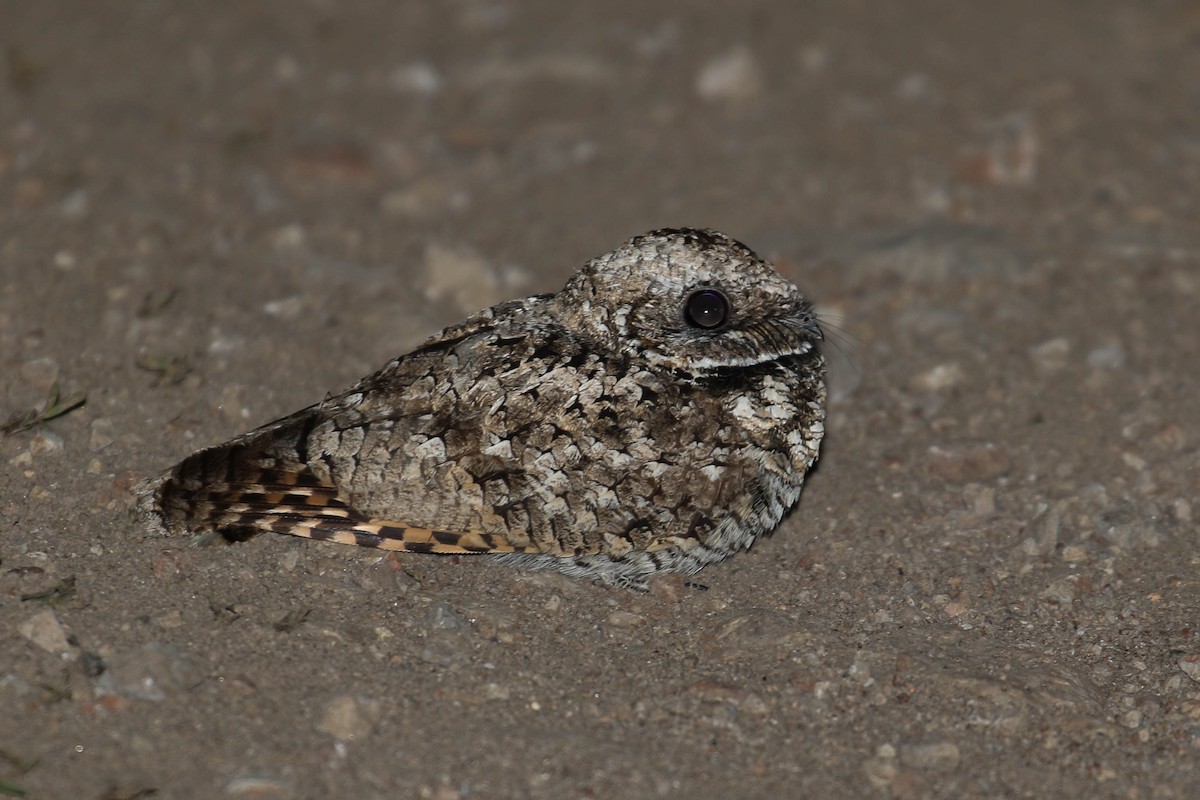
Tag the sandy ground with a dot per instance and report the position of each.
(211, 215)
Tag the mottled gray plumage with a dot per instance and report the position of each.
(658, 413)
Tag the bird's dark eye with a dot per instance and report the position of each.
(706, 308)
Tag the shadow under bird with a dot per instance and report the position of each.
(659, 413)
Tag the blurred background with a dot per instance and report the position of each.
(212, 214)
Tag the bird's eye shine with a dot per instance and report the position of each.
(706, 308)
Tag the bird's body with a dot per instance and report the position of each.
(657, 414)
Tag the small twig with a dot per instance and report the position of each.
(58, 692)
(11, 789)
(223, 612)
(168, 370)
(54, 407)
(115, 793)
(154, 301)
(292, 620)
(63, 590)
(21, 765)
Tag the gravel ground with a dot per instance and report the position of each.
(211, 215)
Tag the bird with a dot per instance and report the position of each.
(657, 414)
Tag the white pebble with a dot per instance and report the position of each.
(732, 76)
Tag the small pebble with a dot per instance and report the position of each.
(257, 787)
(289, 237)
(1110, 356)
(1051, 356)
(103, 434)
(814, 58)
(624, 619)
(154, 672)
(939, 756)
(46, 443)
(1007, 154)
(171, 564)
(967, 462)
(669, 586)
(914, 86)
(74, 206)
(425, 198)
(445, 649)
(763, 632)
(1047, 525)
(1061, 591)
(171, 619)
(495, 691)
(1127, 526)
(442, 616)
(881, 770)
(1074, 553)
(287, 68)
(44, 630)
(981, 499)
(733, 76)
(347, 718)
(938, 379)
(419, 77)
(286, 308)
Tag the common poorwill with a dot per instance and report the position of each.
(657, 414)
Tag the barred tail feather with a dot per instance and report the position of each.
(218, 491)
